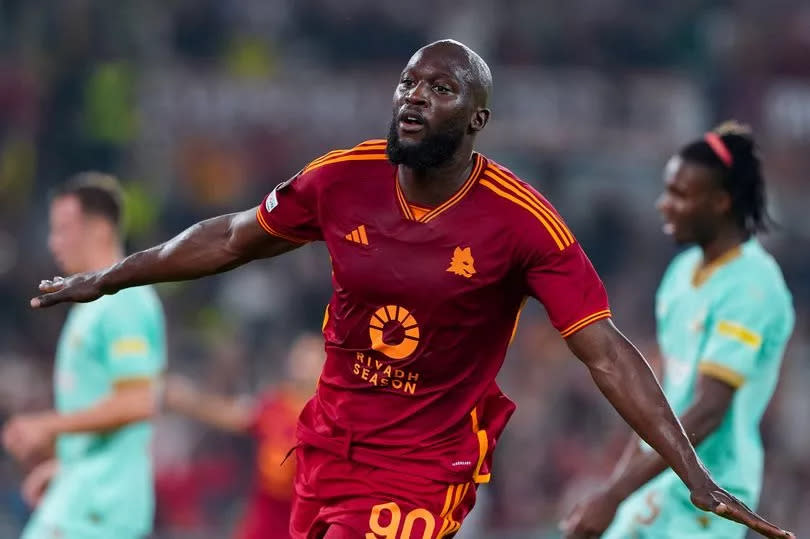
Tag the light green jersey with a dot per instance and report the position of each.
(732, 326)
(105, 479)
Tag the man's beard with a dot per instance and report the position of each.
(433, 150)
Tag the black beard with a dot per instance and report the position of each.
(433, 150)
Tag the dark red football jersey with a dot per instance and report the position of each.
(424, 308)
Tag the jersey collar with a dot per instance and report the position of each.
(462, 191)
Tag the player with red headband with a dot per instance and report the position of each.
(724, 316)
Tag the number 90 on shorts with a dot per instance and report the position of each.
(389, 521)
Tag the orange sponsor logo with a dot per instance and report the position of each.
(400, 325)
(462, 263)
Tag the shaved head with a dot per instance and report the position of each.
(440, 104)
(476, 70)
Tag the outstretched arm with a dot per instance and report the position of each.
(624, 377)
(30, 434)
(208, 247)
(701, 419)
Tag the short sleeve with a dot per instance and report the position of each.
(736, 328)
(133, 340)
(567, 285)
(290, 211)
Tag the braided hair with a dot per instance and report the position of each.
(729, 149)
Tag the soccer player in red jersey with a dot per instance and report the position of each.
(434, 248)
(272, 422)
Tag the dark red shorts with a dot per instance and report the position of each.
(354, 500)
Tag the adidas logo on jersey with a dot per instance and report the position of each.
(358, 235)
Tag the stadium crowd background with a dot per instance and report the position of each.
(202, 106)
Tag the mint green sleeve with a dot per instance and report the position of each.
(737, 328)
(133, 340)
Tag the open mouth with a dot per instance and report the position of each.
(411, 122)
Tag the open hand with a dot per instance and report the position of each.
(720, 502)
(79, 288)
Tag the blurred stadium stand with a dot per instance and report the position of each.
(202, 106)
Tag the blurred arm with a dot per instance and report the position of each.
(213, 410)
(130, 401)
(208, 247)
(37, 480)
(30, 436)
(701, 419)
(624, 377)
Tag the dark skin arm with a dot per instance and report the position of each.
(622, 374)
(701, 419)
(208, 247)
(637, 467)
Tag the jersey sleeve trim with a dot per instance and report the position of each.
(722, 373)
(738, 332)
(513, 191)
(135, 379)
(588, 320)
(272, 231)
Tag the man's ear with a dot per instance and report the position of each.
(479, 119)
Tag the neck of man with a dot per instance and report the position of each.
(430, 187)
(727, 237)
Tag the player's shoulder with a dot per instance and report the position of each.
(685, 261)
(755, 268)
(367, 153)
(522, 207)
(679, 271)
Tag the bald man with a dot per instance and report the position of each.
(434, 249)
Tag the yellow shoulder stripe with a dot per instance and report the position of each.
(347, 157)
(492, 187)
(369, 145)
(527, 195)
(722, 373)
(739, 332)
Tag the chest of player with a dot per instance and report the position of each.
(80, 376)
(684, 320)
(459, 259)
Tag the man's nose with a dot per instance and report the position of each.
(416, 95)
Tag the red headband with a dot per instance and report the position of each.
(719, 148)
